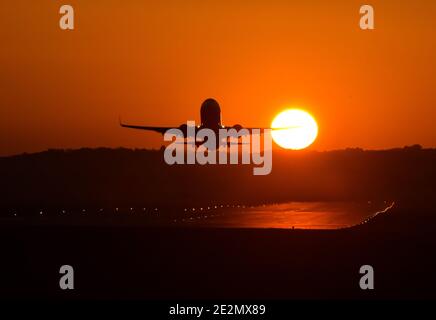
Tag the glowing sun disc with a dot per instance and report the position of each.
(294, 129)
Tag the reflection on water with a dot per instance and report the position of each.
(299, 215)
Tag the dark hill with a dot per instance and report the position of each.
(117, 177)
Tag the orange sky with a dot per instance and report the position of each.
(153, 62)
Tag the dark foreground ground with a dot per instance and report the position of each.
(203, 263)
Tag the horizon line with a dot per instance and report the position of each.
(406, 147)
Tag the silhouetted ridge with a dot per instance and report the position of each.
(116, 177)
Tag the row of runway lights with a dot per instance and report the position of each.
(209, 208)
(217, 207)
(367, 220)
(385, 211)
(155, 210)
(83, 211)
(186, 210)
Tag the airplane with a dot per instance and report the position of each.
(210, 115)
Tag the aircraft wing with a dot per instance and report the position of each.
(239, 127)
(280, 128)
(161, 130)
(251, 129)
(262, 129)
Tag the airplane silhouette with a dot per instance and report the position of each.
(210, 115)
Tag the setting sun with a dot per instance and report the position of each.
(294, 129)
